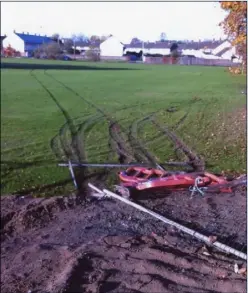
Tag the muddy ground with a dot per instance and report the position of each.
(81, 244)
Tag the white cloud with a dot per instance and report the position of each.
(146, 20)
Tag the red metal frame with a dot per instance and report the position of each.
(143, 178)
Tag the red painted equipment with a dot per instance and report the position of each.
(142, 178)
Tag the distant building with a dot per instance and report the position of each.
(163, 48)
(26, 43)
(227, 51)
(112, 47)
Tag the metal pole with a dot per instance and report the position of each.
(72, 174)
(74, 49)
(109, 165)
(103, 165)
(186, 230)
(143, 48)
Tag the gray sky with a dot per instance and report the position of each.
(145, 20)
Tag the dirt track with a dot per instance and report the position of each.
(84, 245)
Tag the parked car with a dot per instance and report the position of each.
(64, 58)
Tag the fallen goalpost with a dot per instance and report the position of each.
(199, 236)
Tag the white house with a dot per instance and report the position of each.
(112, 47)
(15, 42)
(26, 43)
(227, 51)
(226, 44)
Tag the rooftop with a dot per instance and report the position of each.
(182, 45)
(34, 39)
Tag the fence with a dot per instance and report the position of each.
(114, 58)
(187, 60)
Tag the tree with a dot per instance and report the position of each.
(92, 54)
(104, 38)
(68, 44)
(94, 38)
(163, 37)
(11, 52)
(135, 41)
(174, 50)
(55, 37)
(79, 38)
(51, 51)
(235, 26)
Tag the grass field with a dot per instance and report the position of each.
(35, 104)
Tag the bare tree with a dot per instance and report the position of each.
(103, 38)
(94, 38)
(68, 44)
(79, 38)
(50, 51)
(135, 40)
(93, 54)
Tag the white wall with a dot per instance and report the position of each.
(15, 42)
(111, 47)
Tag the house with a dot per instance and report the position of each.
(112, 48)
(2, 38)
(26, 43)
(227, 51)
(163, 48)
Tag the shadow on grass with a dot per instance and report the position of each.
(7, 167)
(53, 186)
(58, 67)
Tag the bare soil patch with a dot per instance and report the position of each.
(79, 244)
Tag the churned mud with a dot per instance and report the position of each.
(81, 244)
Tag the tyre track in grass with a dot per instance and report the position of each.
(143, 146)
(68, 119)
(195, 161)
(116, 140)
(138, 124)
(182, 151)
(117, 144)
(80, 153)
(69, 144)
(83, 127)
(142, 153)
(116, 132)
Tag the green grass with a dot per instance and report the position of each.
(31, 118)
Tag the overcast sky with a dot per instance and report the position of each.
(145, 20)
